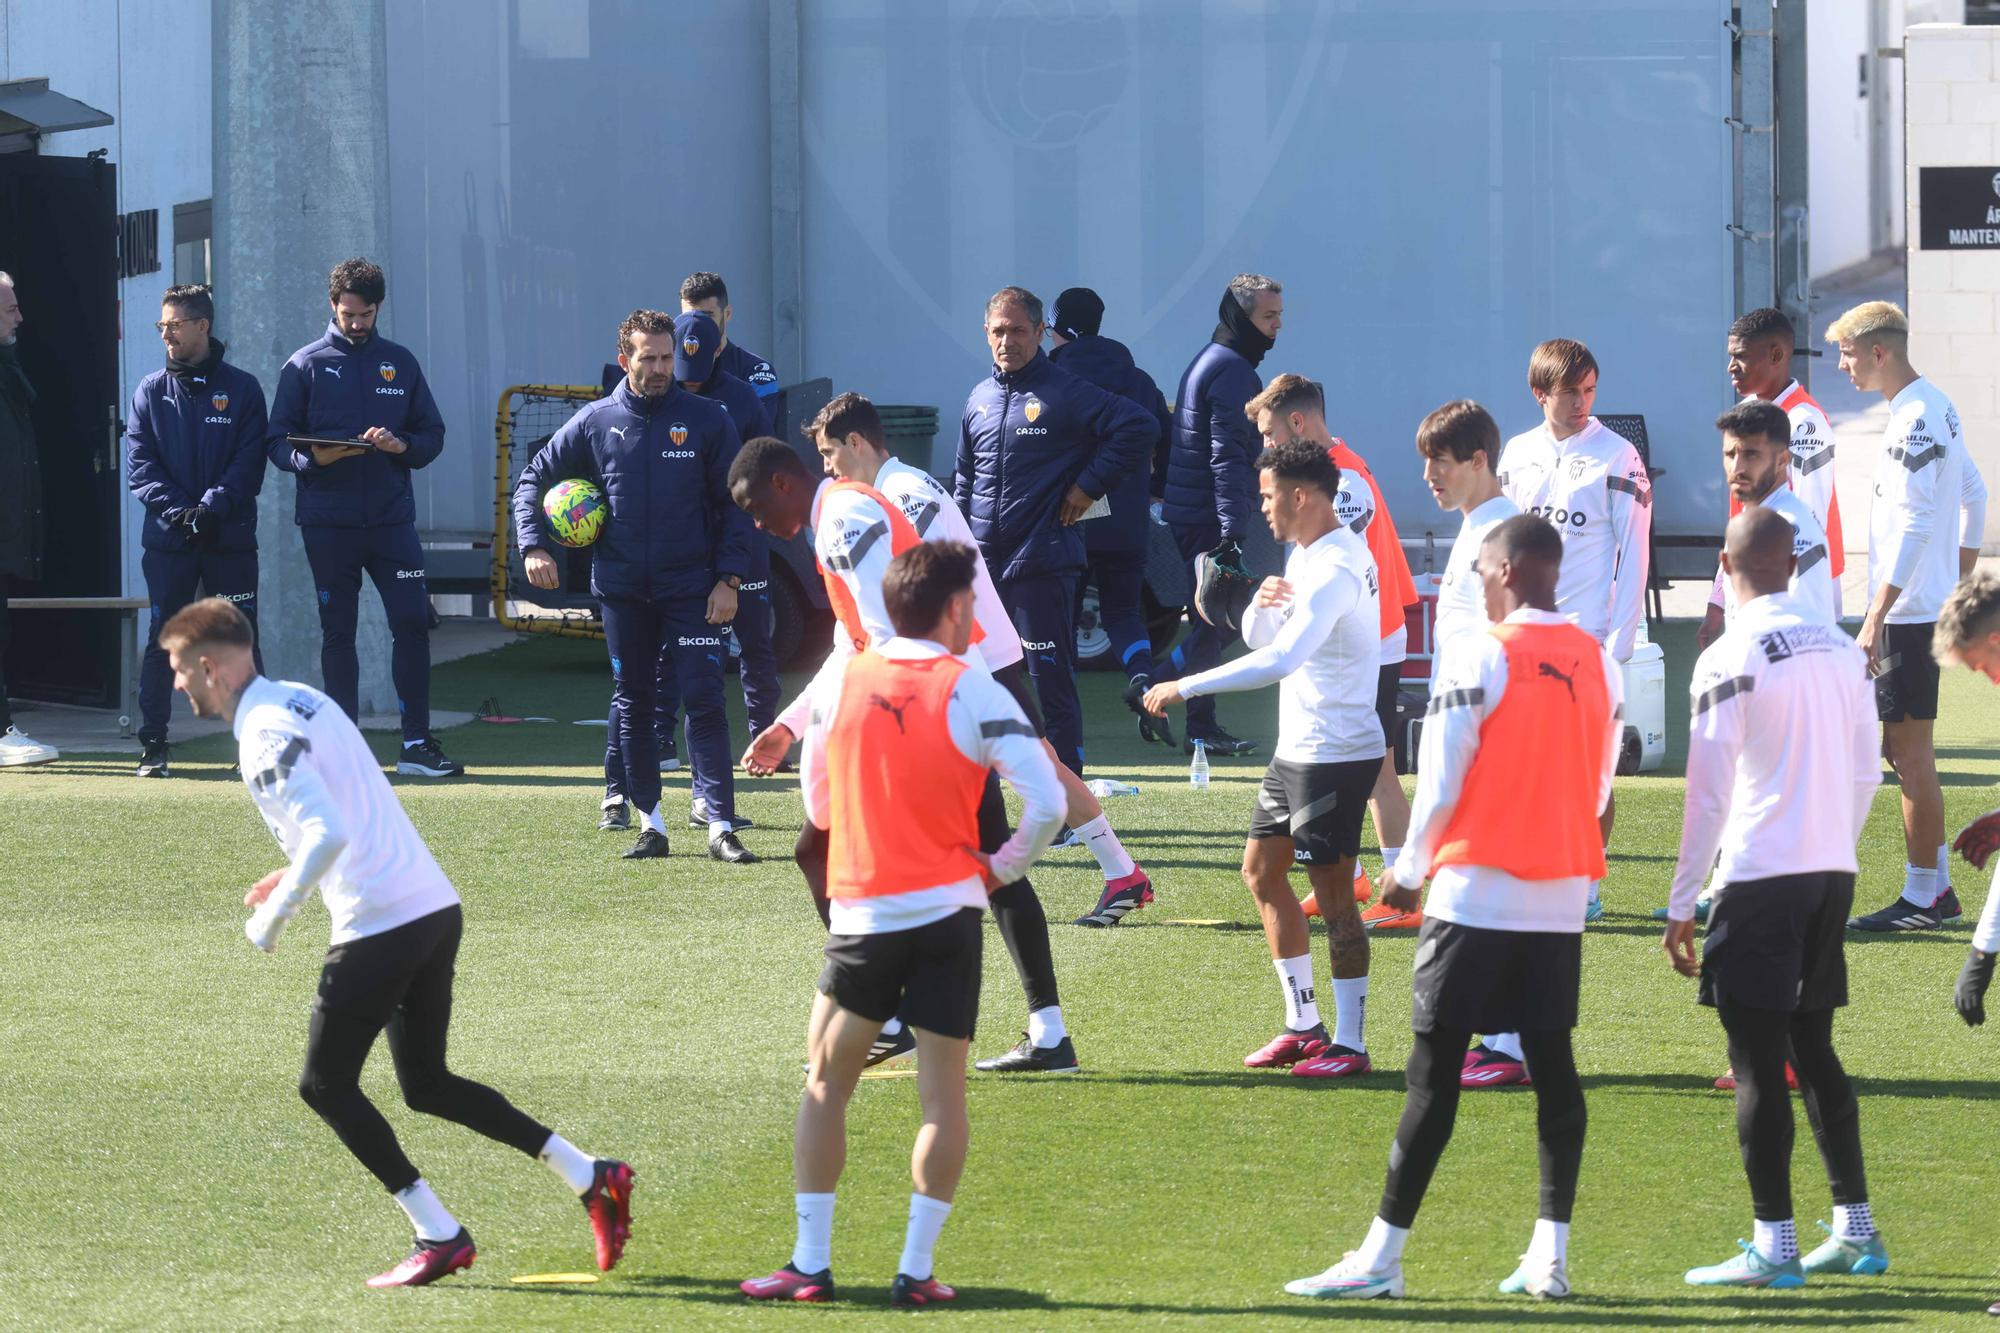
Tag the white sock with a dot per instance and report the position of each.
(1045, 1026)
(1505, 1043)
(1112, 858)
(1920, 885)
(1384, 1246)
(427, 1215)
(1550, 1241)
(411, 745)
(1943, 868)
(814, 1251)
(1350, 1008)
(927, 1217)
(1295, 979)
(577, 1169)
(718, 827)
(1776, 1241)
(1389, 857)
(1853, 1222)
(892, 1027)
(1595, 885)
(651, 819)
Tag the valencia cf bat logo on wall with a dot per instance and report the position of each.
(388, 372)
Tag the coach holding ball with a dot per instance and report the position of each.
(666, 569)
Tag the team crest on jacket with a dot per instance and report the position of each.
(221, 402)
(388, 372)
(1576, 467)
(691, 345)
(678, 433)
(1032, 409)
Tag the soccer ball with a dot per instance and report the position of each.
(576, 512)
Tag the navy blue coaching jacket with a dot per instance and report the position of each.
(1025, 439)
(664, 466)
(1212, 466)
(1108, 364)
(336, 388)
(197, 438)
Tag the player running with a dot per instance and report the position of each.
(849, 435)
(1459, 443)
(1293, 407)
(1313, 633)
(1924, 530)
(1968, 634)
(396, 928)
(1589, 482)
(857, 531)
(905, 738)
(1516, 762)
(1782, 766)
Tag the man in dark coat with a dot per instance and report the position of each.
(20, 511)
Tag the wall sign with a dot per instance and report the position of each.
(1959, 208)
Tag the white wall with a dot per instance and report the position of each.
(1954, 109)
(147, 63)
(1837, 40)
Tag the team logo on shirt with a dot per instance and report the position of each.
(388, 371)
(691, 346)
(220, 401)
(1032, 409)
(678, 433)
(894, 710)
(1576, 468)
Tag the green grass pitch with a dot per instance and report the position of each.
(157, 1169)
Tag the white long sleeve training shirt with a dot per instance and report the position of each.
(988, 728)
(1812, 585)
(322, 795)
(1783, 753)
(1461, 605)
(1925, 504)
(839, 521)
(1322, 649)
(1594, 489)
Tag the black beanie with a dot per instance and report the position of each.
(1079, 313)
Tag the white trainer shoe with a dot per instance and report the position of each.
(18, 750)
(1349, 1278)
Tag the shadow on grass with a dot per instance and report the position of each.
(1856, 1309)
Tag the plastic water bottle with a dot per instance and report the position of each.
(1105, 788)
(1198, 770)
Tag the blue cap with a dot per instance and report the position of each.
(696, 341)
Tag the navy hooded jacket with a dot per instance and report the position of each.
(197, 439)
(1108, 364)
(337, 389)
(663, 464)
(1212, 467)
(1026, 437)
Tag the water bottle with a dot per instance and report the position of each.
(1198, 770)
(1105, 788)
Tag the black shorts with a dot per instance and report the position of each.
(1386, 690)
(1317, 806)
(929, 976)
(370, 978)
(1908, 686)
(1778, 944)
(1014, 679)
(1472, 979)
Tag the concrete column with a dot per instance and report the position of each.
(301, 183)
(1952, 101)
(787, 195)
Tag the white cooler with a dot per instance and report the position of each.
(1645, 747)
